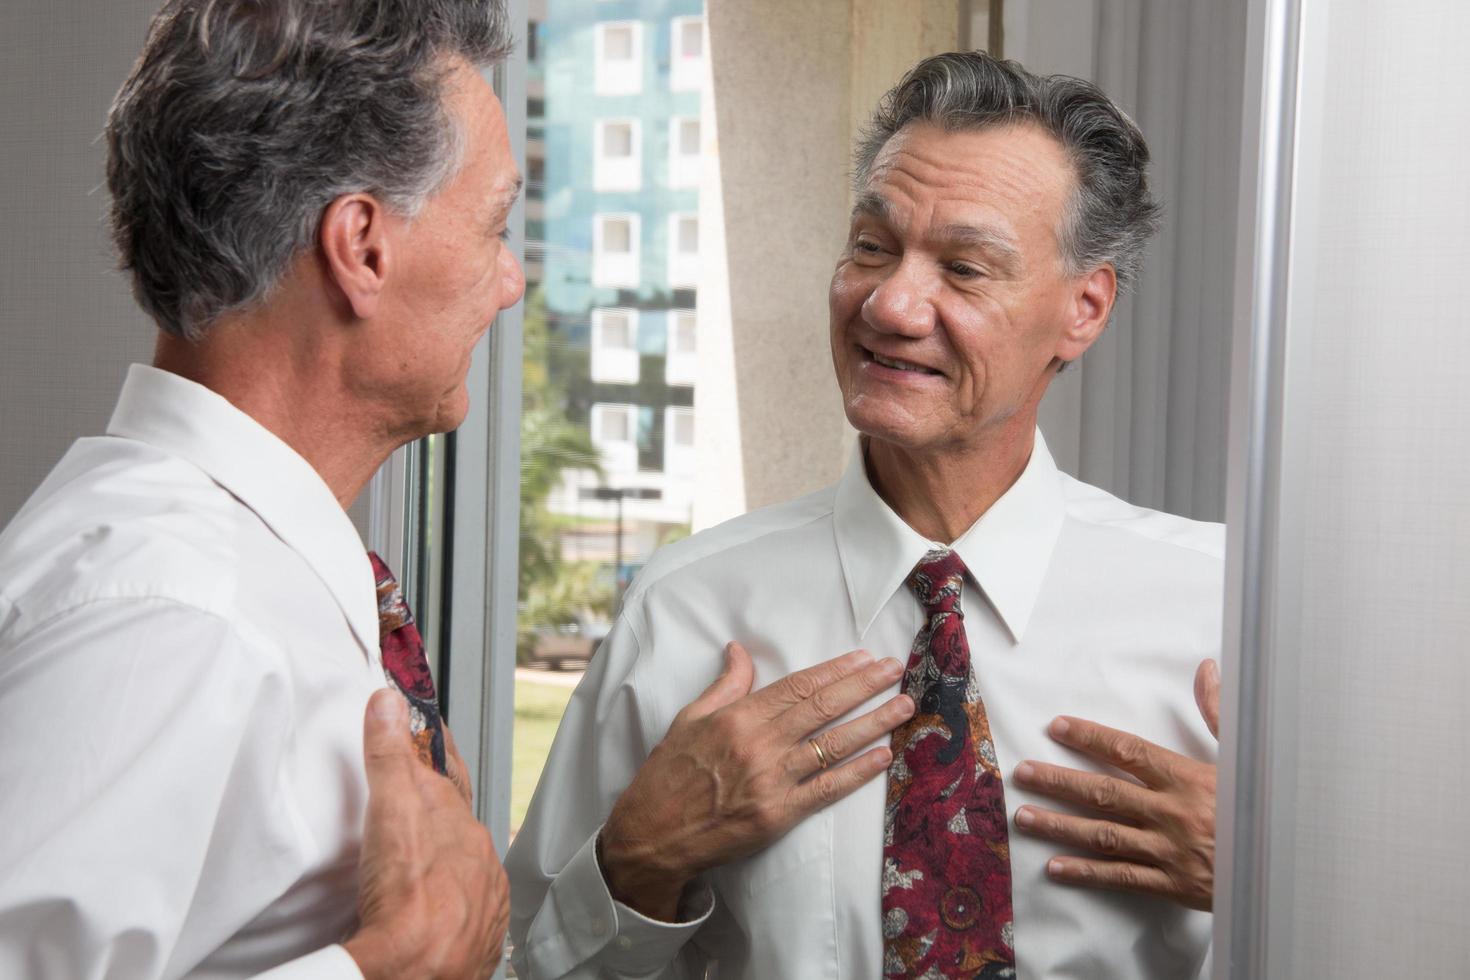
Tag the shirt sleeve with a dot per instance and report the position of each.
(140, 747)
(564, 922)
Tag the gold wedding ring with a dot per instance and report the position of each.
(821, 756)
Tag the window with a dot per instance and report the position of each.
(615, 346)
(617, 155)
(679, 441)
(615, 250)
(615, 434)
(684, 151)
(618, 58)
(686, 70)
(684, 250)
(681, 366)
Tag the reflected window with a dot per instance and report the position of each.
(687, 63)
(615, 250)
(617, 155)
(617, 61)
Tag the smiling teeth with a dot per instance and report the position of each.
(898, 365)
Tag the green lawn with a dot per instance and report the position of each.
(539, 708)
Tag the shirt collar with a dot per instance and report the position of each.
(1007, 550)
(191, 422)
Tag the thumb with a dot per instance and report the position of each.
(386, 746)
(732, 684)
(1207, 694)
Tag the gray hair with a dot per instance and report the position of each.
(244, 119)
(1110, 215)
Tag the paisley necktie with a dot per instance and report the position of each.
(407, 666)
(946, 850)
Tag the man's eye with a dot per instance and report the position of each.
(964, 271)
(866, 246)
(504, 235)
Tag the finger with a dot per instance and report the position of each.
(845, 739)
(1105, 794)
(826, 704)
(795, 688)
(1116, 875)
(1207, 694)
(732, 684)
(1153, 764)
(388, 751)
(834, 784)
(1113, 840)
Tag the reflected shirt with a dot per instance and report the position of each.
(188, 639)
(1079, 604)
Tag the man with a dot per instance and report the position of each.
(997, 216)
(309, 198)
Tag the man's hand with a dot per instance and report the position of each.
(1158, 833)
(738, 770)
(433, 901)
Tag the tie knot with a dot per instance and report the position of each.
(938, 580)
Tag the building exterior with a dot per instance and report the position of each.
(613, 249)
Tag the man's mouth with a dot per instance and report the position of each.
(896, 364)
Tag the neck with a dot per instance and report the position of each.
(293, 389)
(942, 494)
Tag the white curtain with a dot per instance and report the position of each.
(1144, 413)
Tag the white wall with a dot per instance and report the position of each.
(1352, 625)
(68, 324)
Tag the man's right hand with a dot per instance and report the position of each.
(738, 770)
(433, 901)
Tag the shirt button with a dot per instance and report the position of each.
(599, 926)
(624, 942)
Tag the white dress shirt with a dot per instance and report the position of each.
(188, 639)
(1085, 606)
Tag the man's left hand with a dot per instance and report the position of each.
(1156, 832)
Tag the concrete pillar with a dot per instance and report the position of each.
(790, 85)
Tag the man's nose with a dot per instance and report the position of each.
(903, 302)
(515, 281)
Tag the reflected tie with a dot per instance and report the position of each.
(946, 852)
(407, 667)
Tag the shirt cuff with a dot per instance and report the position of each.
(622, 940)
(331, 963)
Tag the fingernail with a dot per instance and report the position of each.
(1025, 771)
(906, 704)
(892, 667)
(1024, 817)
(1059, 726)
(860, 658)
(1054, 867)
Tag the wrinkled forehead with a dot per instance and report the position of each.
(1010, 176)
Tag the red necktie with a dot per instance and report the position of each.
(946, 850)
(407, 667)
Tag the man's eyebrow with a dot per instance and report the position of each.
(989, 239)
(972, 236)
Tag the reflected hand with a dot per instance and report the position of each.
(1156, 832)
(433, 900)
(737, 771)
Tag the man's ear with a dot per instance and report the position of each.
(354, 243)
(1092, 303)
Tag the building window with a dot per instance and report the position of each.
(617, 155)
(686, 72)
(681, 366)
(684, 151)
(679, 441)
(618, 58)
(615, 356)
(684, 250)
(615, 433)
(615, 251)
